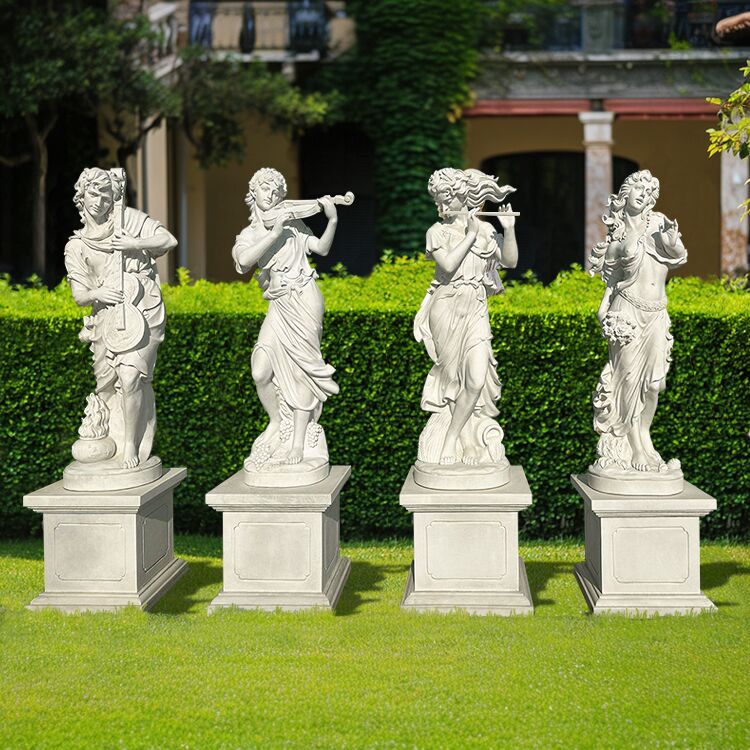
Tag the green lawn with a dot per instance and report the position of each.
(371, 675)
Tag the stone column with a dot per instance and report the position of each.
(734, 232)
(597, 142)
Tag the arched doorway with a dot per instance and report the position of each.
(550, 198)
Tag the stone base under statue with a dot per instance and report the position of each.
(466, 548)
(281, 546)
(107, 476)
(107, 550)
(616, 481)
(643, 552)
(460, 476)
(305, 473)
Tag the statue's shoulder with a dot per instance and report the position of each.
(74, 247)
(138, 223)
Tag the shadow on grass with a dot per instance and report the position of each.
(196, 587)
(717, 574)
(540, 574)
(22, 549)
(365, 578)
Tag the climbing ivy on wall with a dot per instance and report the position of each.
(407, 82)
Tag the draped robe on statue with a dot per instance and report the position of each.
(452, 321)
(291, 333)
(640, 346)
(91, 263)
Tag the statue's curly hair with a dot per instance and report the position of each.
(614, 220)
(96, 175)
(266, 174)
(471, 186)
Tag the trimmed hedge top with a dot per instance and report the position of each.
(399, 285)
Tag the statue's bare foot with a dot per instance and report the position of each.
(642, 461)
(293, 457)
(129, 457)
(470, 457)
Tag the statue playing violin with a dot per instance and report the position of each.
(291, 377)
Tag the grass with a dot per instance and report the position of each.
(371, 675)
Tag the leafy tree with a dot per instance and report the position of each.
(215, 93)
(51, 55)
(137, 101)
(732, 133)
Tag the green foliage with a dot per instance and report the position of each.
(547, 344)
(216, 92)
(138, 100)
(49, 52)
(732, 133)
(405, 85)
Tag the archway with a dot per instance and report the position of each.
(550, 198)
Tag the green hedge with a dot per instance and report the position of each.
(547, 344)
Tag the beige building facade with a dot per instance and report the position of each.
(596, 112)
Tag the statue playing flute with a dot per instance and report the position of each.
(291, 377)
(111, 266)
(461, 446)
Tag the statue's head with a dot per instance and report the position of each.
(266, 188)
(96, 191)
(639, 192)
(456, 189)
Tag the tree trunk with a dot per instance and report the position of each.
(124, 152)
(40, 161)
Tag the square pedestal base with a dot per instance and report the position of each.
(281, 545)
(466, 549)
(474, 602)
(643, 552)
(107, 550)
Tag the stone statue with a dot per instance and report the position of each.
(110, 264)
(290, 375)
(641, 247)
(461, 446)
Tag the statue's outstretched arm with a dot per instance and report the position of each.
(322, 245)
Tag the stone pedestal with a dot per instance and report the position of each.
(643, 552)
(107, 550)
(281, 545)
(466, 548)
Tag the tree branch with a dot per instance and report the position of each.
(14, 161)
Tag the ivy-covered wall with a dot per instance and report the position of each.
(546, 341)
(405, 85)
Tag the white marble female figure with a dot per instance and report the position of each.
(111, 266)
(642, 245)
(290, 375)
(462, 439)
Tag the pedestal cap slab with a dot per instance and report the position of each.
(513, 496)
(234, 495)
(55, 498)
(691, 501)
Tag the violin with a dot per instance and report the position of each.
(302, 209)
(124, 327)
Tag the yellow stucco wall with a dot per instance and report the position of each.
(690, 182)
(674, 150)
(225, 190)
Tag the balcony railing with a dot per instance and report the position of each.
(298, 28)
(651, 24)
(598, 25)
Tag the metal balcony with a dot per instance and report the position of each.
(271, 31)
